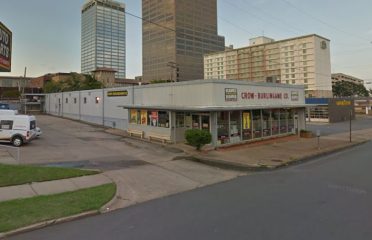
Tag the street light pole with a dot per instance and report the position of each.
(351, 114)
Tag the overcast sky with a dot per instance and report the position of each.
(46, 33)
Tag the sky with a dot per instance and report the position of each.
(46, 33)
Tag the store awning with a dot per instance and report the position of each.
(209, 108)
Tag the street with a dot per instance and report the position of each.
(327, 198)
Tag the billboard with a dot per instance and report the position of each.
(5, 49)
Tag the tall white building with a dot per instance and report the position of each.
(303, 60)
(103, 36)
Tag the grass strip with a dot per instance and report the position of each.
(20, 174)
(23, 212)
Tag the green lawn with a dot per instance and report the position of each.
(22, 212)
(21, 174)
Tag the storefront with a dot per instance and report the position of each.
(232, 111)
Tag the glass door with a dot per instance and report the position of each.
(205, 122)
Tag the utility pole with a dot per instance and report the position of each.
(351, 115)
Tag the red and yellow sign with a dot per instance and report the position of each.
(5, 49)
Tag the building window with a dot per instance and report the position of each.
(85, 100)
(66, 100)
(293, 75)
(304, 51)
(75, 100)
(305, 74)
(163, 119)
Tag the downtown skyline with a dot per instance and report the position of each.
(44, 40)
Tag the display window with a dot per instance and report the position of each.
(223, 128)
(275, 116)
(266, 123)
(257, 123)
(247, 125)
(235, 127)
(283, 121)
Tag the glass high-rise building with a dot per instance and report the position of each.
(178, 55)
(103, 36)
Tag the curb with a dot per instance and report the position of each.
(243, 167)
(106, 208)
(48, 223)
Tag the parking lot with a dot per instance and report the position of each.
(71, 143)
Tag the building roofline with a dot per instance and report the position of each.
(221, 81)
(264, 44)
(209, 108)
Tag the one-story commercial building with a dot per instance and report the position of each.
(232, 111)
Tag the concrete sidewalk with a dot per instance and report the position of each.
(52, 187)
(278, 152)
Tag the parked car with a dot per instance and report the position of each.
(4, 106)
(17, 129)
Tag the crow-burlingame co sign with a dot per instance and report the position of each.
(5, 49)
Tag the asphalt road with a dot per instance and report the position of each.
(328, 198)
(361, 122)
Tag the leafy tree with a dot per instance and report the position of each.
(349, 89)
(52, 87)
(75, 82)
(11, 93)
(90, 82)
(158, 81)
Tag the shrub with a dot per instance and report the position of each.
(198, 138)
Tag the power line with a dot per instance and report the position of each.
(152, 22)
(272, 16)
(254, 15)
(325, 23)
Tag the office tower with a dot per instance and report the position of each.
(176, 34)
(303, 60)
(103, 36)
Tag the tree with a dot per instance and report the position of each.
(52, 87)
(75, 82)
(90, 82)
(159, 81)
(349, 89)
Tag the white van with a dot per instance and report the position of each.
(8, 112)
(17, 129)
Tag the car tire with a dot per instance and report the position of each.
(17, 141)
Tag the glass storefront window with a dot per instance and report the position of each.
(180, 120)
(133, 116)
(195, 121)
(257, 126)
(291, 121)
(152, 118)
(283, 121)
(266, 123)
(163, 119)
(223, 127)
(205, 122)
(247, 125)
(235, 127)
(275, 116)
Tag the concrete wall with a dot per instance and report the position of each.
(83, 106)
